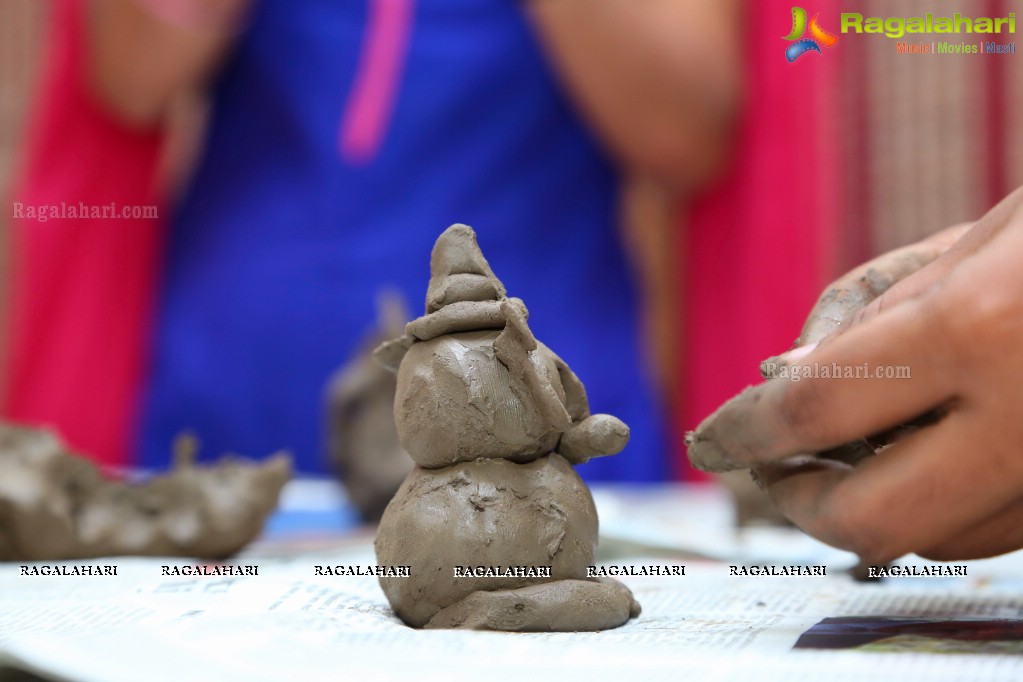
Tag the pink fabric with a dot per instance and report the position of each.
(368, 112)
(82, 289)
(760, 246)
(996, 124)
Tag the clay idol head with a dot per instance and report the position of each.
(474, 383)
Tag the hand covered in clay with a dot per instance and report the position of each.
(947, 478)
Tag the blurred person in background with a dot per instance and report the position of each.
(343, 136)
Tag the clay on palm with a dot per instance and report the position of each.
(835, 308)
(495, 422)
(55, 505)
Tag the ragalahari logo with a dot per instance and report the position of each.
(800, 46)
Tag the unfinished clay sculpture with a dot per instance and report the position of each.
(55, 505)
(494, 420)
(363, 445)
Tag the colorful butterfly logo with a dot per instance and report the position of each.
(800, 45)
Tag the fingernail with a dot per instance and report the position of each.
(797, 354)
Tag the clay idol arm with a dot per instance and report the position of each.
(589, 436)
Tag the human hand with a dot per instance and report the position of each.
(949, 310)
(142, 56)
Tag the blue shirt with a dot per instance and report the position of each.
(281, 245)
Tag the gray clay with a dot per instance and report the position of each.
(562, 606)
(494, 420)
(535, 514)
(55, 505)
(839, 303)
(363, 443)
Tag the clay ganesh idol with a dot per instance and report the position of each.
(497, 527)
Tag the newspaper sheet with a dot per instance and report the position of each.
(287, 622)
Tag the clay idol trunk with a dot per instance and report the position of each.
(495, 523)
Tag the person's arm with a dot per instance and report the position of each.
(950, 485)
(658, 80)
(142, 54)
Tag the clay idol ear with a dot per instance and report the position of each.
(392, 312)
(576, 402)
(390, 353)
